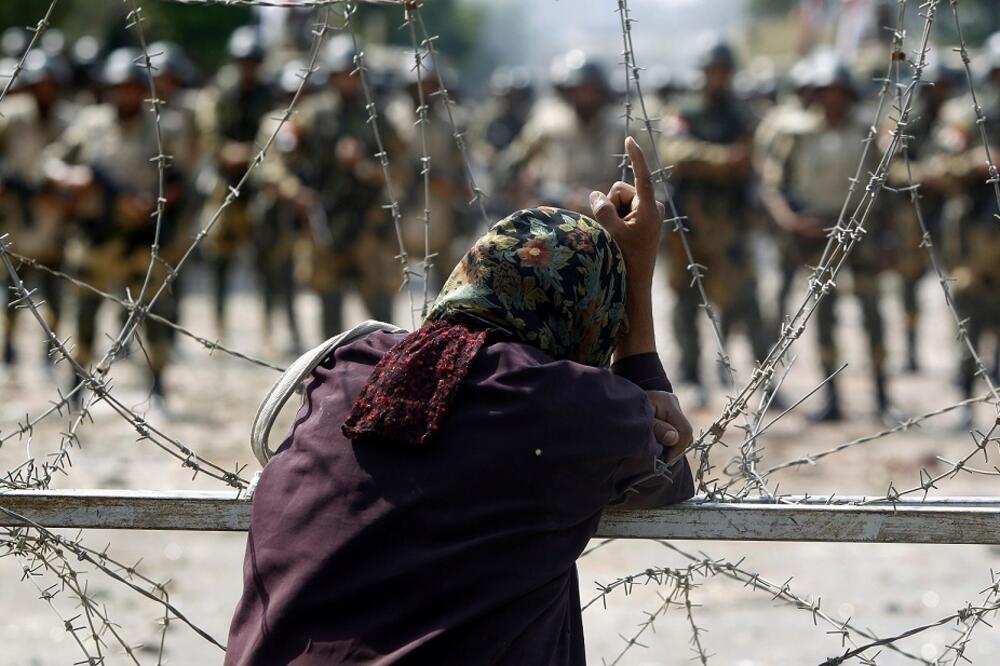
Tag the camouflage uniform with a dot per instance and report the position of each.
(277, 219)
(31, 210)
(498, 123)
(798, 174)
(114, 210)
(449, 192)
(230, 114)
(350, 235)
(175, 78)
(565, 150)
(928, 163)
(977, 269)
(708, 141)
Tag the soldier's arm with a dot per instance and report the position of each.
(773, 179)
(694, 158)
(206, 121)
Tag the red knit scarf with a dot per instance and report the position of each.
(412, 388)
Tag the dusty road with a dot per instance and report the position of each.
(888, 588)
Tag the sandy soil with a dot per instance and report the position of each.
(888, 588)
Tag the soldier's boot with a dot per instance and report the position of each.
(912, 361)
(966, 381)
(830, 411)
(157, 389)
(9, 353)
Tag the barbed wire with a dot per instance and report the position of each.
(842, 238)
(847, 232)
(660, 175)
(36, 33)
(410, 12)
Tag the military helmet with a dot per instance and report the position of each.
(169, 58)
(800, 76)
(290, 77)
(14, 41)
(829, 71)
(576, 69)
(124, 65)
(339, 54)
(511, 81)
(53, 42)
(661, 79)
(939, 73)
(991, 53)
(83, 58)
(41, 66)
(246, 44)
(716, 52)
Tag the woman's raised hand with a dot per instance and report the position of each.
(633, 217)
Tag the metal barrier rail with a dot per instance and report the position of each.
(951, 520)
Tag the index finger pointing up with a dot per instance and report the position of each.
(643, 181)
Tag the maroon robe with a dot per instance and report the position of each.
(459, 552)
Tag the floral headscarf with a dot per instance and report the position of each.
(547, 277)
(551, 277)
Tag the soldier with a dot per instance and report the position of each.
(708, 140)
(105, 160)
(805, 203)
(977, 273)
(340, 188)
(569, 144)
(498, 122)
(449, 193)
(230, 115)
(176, 77)
(30, 208)
(927, 164)
(275, 211)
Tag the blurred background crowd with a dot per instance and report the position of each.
(764, 122)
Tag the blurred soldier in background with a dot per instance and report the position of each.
(498, 122)
(663, 88)
(103, 159)
(929, 165)
(805, 202)
(501, 118)
(977, 273)
(230, 114)
(339, 185)
(791, 115)
(568, 146)
(274, 210)
(176, 77)
(708, 140)
(84, 59)
(13, 42)
(449, 193)
(31, 210)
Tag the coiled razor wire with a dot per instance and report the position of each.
(46, 554)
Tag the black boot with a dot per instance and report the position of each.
(157, 390)
(830, 411)
(886, 410)
(912, 364)
(9, 353)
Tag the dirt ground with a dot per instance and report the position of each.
(888, 588)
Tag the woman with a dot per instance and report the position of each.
(437, 487)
